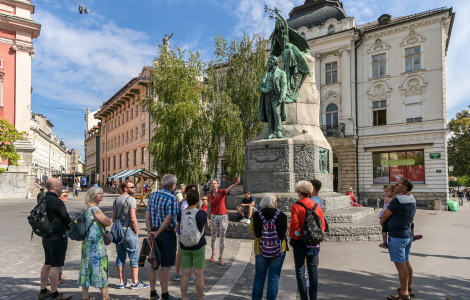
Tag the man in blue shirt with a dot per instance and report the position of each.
(399, 216)
(160, 219)
(316, 189)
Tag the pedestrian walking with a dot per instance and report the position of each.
(304, 252)
(192, 242)
(76, 187)
(41, 194)
(94, 262)
(55, 245)
(160, 219)
(269, 228)
(124, 209)
(219, 217)
(64, 196)
(399, 215)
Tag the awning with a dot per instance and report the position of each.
(125, 174)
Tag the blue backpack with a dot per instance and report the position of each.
(269, 244)
(116, 230)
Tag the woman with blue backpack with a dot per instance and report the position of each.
(269, 228)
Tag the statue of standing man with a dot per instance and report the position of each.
(166, 41)
(273, 87)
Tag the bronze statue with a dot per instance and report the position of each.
(273, 87)
(292, 46)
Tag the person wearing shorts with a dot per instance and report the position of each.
(399, 217)
(160, 220)
(195, 256)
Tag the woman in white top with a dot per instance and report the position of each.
(76, 187)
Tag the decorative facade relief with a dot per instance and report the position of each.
(379, 91)
(23, 48)
(412, 38)
(413, 85)
(378, 46)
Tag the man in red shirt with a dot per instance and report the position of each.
(219, 217)
(302, 251)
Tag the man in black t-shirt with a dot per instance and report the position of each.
(247, 207)
(55, 245)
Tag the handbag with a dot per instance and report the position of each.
(107, 236)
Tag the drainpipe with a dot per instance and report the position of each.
(357, 44)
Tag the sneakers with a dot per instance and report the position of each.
(156, 297)
(47, 295)
(126, 284)
(177, 277)
(63, 296)
(192, 278)
(245, 220)
(170, 297)
(139, 285)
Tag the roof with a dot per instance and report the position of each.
(126, 174)
(315, 13)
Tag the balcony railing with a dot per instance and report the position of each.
(336, 130)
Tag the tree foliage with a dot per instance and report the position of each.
(8, 135)
(198, 110)
(463, 180)
(179, 140)
(233, 79)
(459, 143)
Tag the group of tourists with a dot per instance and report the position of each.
(175, 222)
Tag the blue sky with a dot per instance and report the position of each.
(82, 60)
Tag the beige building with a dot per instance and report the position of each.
(92, 151)
(383, 96)
(125, 134)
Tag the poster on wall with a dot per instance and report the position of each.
(416, 174)
(396, 173)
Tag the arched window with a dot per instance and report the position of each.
(332, 115)
(331, 29)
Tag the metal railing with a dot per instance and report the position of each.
(336, 130)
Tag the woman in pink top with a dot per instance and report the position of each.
(219, 218)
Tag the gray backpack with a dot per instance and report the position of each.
(190, 234)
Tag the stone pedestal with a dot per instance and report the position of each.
(276, 165)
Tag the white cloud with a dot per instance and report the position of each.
(84, 62)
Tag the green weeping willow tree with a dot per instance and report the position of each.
(232, 89)
(8, 135)
(182, 117)
(198, 111)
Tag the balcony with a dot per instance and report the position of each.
(336, 130)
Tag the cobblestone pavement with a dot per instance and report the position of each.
(359, 270)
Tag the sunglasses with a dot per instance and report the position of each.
(65, 195)
(131, 187)
(398, 184)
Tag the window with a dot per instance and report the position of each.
(123, 138)
(379, 110)
(378, 65)
(331, 72)
(391, 166)
(120, 161)
(143, 155)
(114, 162)
(109, 167)
(132, 134)
(143, 129)
(127, 137)
(136, 132)
(127, 116)
(414, 113)
(331, 29)
(119, 140)
(332, 115)
(413, 59)
(135, 157)
(132, 113)
(136, 110)
(127, 159)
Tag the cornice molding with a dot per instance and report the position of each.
(23, 48)
(16, 24)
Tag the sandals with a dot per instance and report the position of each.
(221, 262)
(399, 297)
(417, 237)
(410, 291)
(212, 259)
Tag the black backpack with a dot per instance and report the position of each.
(312, 234)
(39, 221)
(78, 230)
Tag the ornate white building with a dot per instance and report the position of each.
(383, 96)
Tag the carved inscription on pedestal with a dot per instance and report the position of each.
(267, 159)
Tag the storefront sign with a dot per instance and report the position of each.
(434, 155)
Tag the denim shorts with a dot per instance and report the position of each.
(399, 249)
(129, 246)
